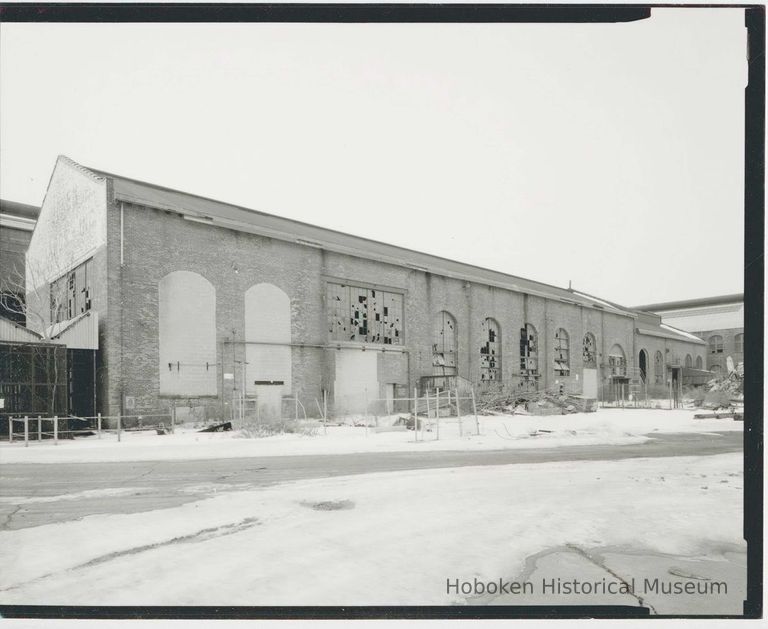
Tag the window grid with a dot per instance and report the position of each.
(617, 362)
(529, 356)
(445, 345)
(562, 353)
(490, 352)
(364, 315)
(589, 351)
(70, 294)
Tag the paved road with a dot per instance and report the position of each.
(161, 484)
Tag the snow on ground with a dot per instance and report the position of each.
(606, 426)
(393, 540)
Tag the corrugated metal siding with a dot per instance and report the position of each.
(14, 333)
(82, 333)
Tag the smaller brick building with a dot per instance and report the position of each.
(719, 321)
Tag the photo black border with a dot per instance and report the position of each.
(754, 271)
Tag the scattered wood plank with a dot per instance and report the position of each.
(217, 427)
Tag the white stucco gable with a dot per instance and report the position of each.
(72, 224)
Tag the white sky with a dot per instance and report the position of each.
(606, 154)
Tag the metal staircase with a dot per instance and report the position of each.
(638, 388)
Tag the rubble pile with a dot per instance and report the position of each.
(536, 403)
(725, 391)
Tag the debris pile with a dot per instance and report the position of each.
(726, 391)
(536, 403)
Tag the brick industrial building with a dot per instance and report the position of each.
(17, 220)
(719, 321)
(197, 299)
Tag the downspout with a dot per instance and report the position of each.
(122, 302)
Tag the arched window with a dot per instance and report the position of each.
(589, 351)
(187, 328)
(716, 344)
(562, 353)
(738, 341)
(658, 368)
(529, 352)
(268, 338)
(643, 360)
(688, 360)
(490, 352)
(617, 361)
(716, 369)
(699, 362)
(445, 345)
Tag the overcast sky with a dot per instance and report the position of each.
(610, 155)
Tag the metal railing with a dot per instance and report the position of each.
(54, 429)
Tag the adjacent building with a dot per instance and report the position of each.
(17, 221)
(719, 321)
(201, 303)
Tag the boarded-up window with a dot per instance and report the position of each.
(529, 351)
(187, 315)
(364, 315)
(688, 360)
(490, 352)
(699, 362)
(617, 361)
(445, 345)
(589, 351)
(716, 344)
(658, 368)
(738, 341)
(267, 338)
(562, 353)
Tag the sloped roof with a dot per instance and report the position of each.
(14, 208)
(663, 330)
(80, 332)
(221, 214)
(736, 298)
(13, 332)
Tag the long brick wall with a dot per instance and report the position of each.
(145, 245)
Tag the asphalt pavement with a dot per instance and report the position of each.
(162, 484)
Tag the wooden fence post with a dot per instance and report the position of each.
(55, 430)
(98, 424)
(26, 431)
(119, 424)
(474, 410)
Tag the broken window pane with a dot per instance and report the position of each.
(529, 355)
(716, 344)
(589, 352)
(364, 315)
(490, 352)
(562, 357)
(70, 294)
(445, 345)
